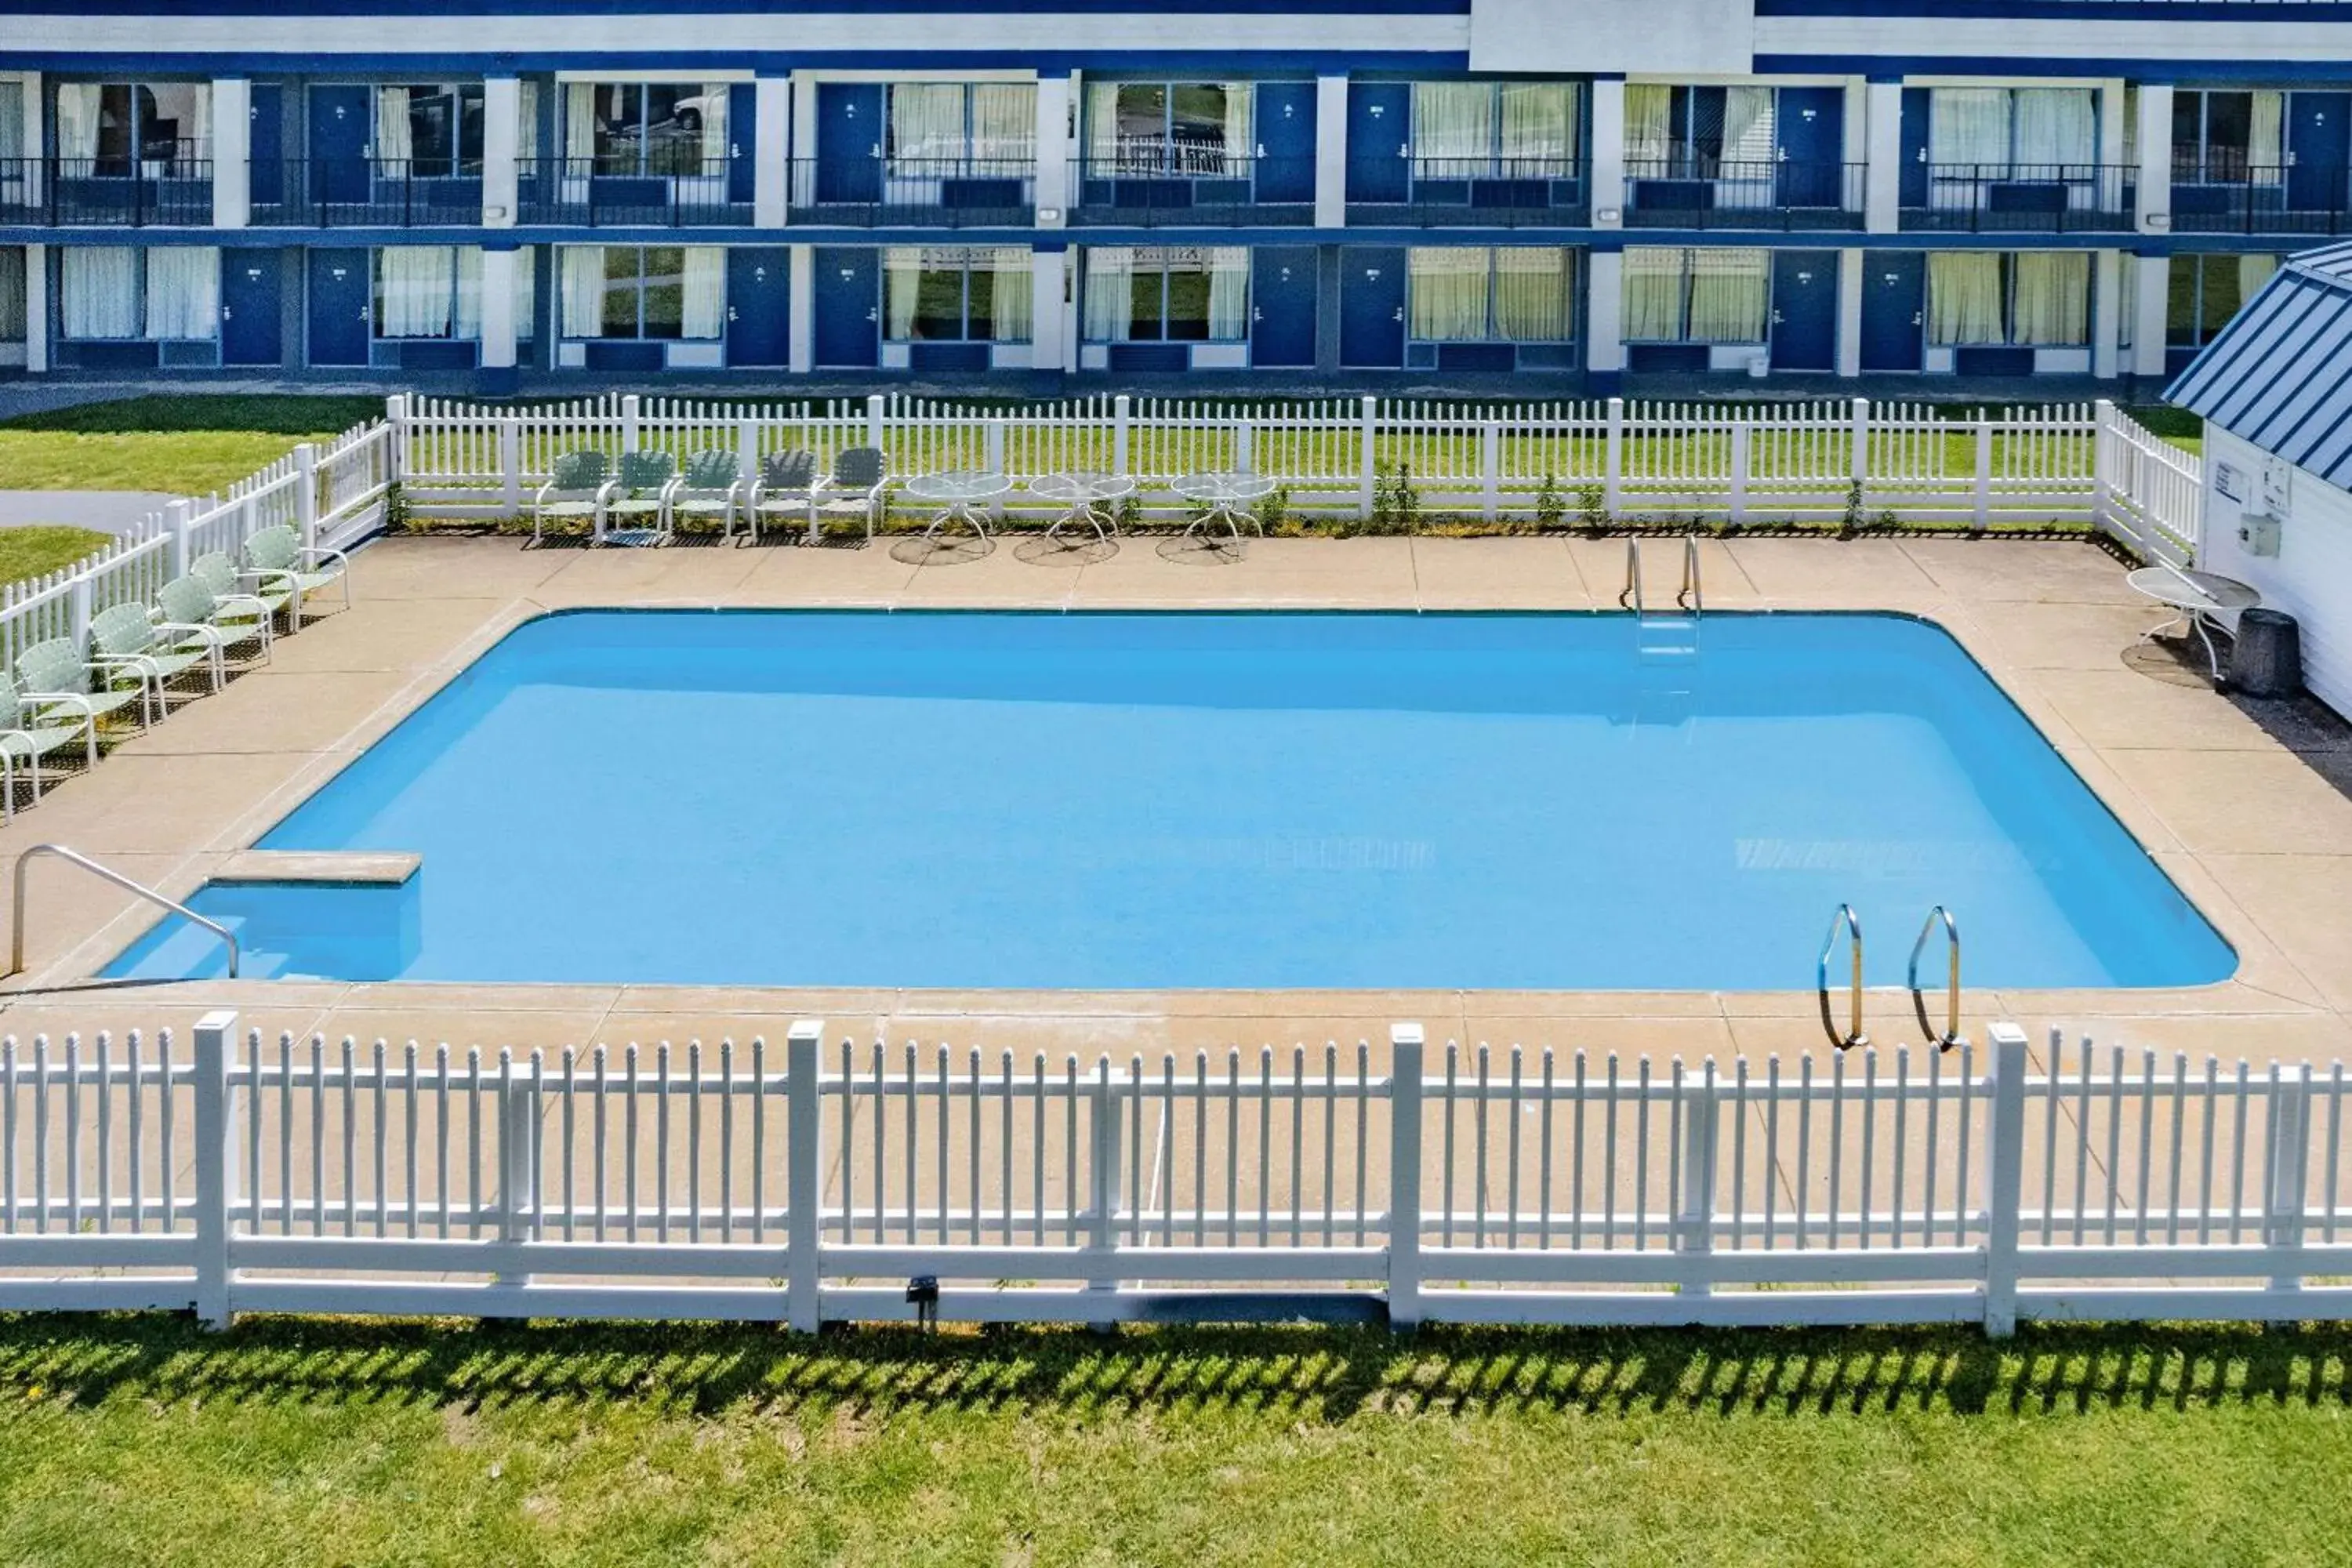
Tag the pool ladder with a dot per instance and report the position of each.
(75, 857)
(1847, 924)
(1665, 635)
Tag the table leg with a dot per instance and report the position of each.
(2212, 655)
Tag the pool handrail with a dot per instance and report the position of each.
(1689, 597)
(1845, 920)
(1630, 596)
(1951, 1034)
(23, 866)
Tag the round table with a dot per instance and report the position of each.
(956, 493)
(1083, 497)
(2199, 600)
(1222, 498)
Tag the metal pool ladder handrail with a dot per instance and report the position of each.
(1951, 1034)
(1629, 597)
(1690, 598)
(1845, 920)
(23, 864)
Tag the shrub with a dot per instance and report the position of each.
(1549, 506)
(1592, 508)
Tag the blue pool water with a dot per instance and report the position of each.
(1282, 800)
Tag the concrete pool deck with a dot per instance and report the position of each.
(2248, 824)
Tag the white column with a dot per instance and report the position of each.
(1608, 162)
(36, 306)
(2155, 214)
(2151, 282)
(501, 146)
(1054, 184)
(1331, 152)
(801, 316)
(2107, 311)
(498, 300)
(1047, 272)
(772, 157)
(1604, 288)
(232, 152)
(1849, 338)
(1882, 202)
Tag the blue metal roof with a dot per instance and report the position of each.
(2280, 374)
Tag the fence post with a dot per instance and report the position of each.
(632, 409)
(1368, 480)
(1490, 467)
(2004, 1178)
(306, 494)
(1612, 461)
(1862, 446)
(1102, 1174)
(803, 1185)
(1405, 1176)
(1739, 445)
(396, 413)
(175, 516)
(517, 1170)
(1122, 410)
(2103, 508)
(1700, 1105)
(992, 447)
(875, 421)
(215, 1043)
(510, 465)
(78, 600)
(747, 452)
(2286, 1179)
(1244, 449)
(1984, 472)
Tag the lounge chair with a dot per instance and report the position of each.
(787, 481)
(187, 607)
(277, 562)
(218, 570)
(860, 475)
(53, 677)
(28, 733)
(574, 492)
(712, 487)
(126, 645)
(642, 490)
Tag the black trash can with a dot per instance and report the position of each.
(2266, 659)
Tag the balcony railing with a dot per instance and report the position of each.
(329, 193)
(1178, 186)
(1711, 192)
(107, 192)
(1511, 193)
(589, 192)
(2282, 198)
(2021, 198)
(951, 192)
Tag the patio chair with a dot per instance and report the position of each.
(26, 735)
(126, 645)
(712, 487)
(860, 475)
(786, 483)
(187, 607)
(54, 679)
(218, 570)
(574, 492)
(277, 562)
(642, 490)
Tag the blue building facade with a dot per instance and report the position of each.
(1571, 192)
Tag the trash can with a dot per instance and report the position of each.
(2266, 659)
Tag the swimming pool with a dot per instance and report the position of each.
(1005, 799)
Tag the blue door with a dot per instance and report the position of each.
(1804, 310)
(339, 297)
(1286, 142)
(2317, 150)
(268, 144)
(1811, 126)
(1372, 307)
(342, 121)
(1282, 310)
(1893, 309)
(848, 307)
(759, 305)
(1913, 192)
(1380, 141)
(249, 305)
(742, 135)
(848, 142)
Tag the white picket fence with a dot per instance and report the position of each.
(333, 495)
(819, 1182)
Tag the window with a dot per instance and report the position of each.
(2014, 132)
(656, 128)
(941, 126)
(2026, 298)
(643, 291)
(956, 294)
(2229, 137)
(1691, 133)
(159, 127)
(116, 291)
(2205, 292)
(1696, 296)
(1462, 129)
(1171, 128)
(1183, 294)
(1517, 294)
(436, 291)
(12, 294)
(12, 124)
(430, 132)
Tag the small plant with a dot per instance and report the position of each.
(1129, 513)
(1396, 505)
(1274, 511)
(1591, 508)
(1851, 522)
(1549, 505)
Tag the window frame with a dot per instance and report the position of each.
(139, 300)
(1173, 157)
(1688, 276)
(970, 260)
(134, 163)
(599, 160)
(468, 100)
(2008, 260)
(1164, 270)
(1571, 290)
(1495, 157)
(2201, 330)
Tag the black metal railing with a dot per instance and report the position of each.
(594, 193)
(107, 192)
(1764, 193)
(2023, 198)
(2231, 196)
(1489, 191)
(1155, 186)
(328, 192)
(952, 192)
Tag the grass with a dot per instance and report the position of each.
(188, 446)
(143, 1439)
(30, 551)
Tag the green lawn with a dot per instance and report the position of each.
(184, 445)
(139, 1439)
(29, 551)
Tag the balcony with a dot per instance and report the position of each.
(1709, 192)
(2260, 199)
(1178, 186)
(1489, 193)
(589, 193)
(111, 193)
(944, 193)
(2018, 198)
(391, 192)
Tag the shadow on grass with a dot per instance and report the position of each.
(1289, 1372)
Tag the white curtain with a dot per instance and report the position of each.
(1237, 124)
(1652, 293)
(715, 98)
(1229, 271)
(99, 290)
(1110, 293)
(1748, 128)
(706, 291)
(1649, 121)
(468, 322)
(2057, 127)
(527, 128)
(1004, 120)
(12, 119)
(1102, 125)
(12, 294)
(1967, 125)
(78, 119)
(393, 139)
(414, 290)
(2051, 301)
(526, 295)
(1539, 122)
(2254, 271)
(1531, 294)
(183, 291)
(1448, 292)
(1452, 121)
(902, 288)
(2266, 138)
(583, 274)
(1964, 296)
(1730, 295)
(1015, 301)
(579, 120)
(927, 121)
